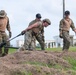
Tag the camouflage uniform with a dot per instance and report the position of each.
(36, 30)
(29, 42)
(4, 24)
(64, 28)
(39, 35)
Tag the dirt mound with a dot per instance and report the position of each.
(33, 63)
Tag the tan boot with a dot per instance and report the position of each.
(21, 49)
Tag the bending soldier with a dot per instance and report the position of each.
(36, 29)
(30, 41)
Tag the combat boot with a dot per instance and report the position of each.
(43, 48)
(5, 52)
(0, 52)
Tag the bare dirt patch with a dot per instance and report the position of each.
(35, 63)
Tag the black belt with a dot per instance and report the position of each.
(2, 31)
(64, 31)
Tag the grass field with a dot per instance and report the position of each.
(12, 50)
(48, 49)
(60, 49)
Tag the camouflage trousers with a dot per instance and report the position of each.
(66, 40)
(29, 41)
(41, 40)
(4, 38)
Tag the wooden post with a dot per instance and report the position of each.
(63, 7)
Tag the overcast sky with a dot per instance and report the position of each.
(21, 12)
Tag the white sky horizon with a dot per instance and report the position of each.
(21, 12)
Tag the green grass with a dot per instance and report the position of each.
(60, 49)
(72, 49)
(12, 50)
(54, 49)
(48, 49)
(72, 61)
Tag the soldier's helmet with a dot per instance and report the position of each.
(38, 15)
(47, 20)
(2, 13)
(67, 12)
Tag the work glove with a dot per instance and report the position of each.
(10, 34)
(23, 32)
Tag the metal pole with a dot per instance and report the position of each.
(63, 7)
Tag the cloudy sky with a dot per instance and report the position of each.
(21, 12)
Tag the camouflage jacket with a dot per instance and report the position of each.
(39, 29)
(65, 25)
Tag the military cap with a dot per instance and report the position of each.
(67, 12)
(2, 13)
(47, 20)
(38, 15)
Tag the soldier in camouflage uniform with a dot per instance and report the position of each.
(64, 28)
(30, 41)
(4, 24)
(36, 29)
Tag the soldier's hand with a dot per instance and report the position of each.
(75, 30)
(10, 34)
(60, 35)
(23, 32)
